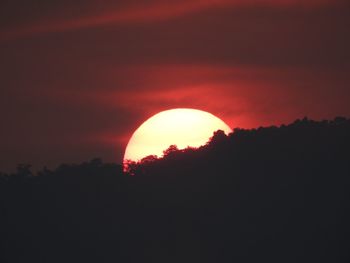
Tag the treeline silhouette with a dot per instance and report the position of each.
(274, 194)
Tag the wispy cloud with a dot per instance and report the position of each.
(154, 11)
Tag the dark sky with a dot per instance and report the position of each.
(78, 77)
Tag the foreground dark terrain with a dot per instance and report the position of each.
(276, 194)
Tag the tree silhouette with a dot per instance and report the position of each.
(171, 149)
(149, 158)
(271, 194)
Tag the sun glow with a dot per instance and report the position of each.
(180, 127)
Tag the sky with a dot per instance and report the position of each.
(78, 77)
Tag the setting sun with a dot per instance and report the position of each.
(180, 127)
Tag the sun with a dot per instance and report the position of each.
(181, 127)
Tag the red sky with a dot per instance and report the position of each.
(78, 78)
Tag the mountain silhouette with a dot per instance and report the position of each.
(273, 194)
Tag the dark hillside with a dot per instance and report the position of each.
(275, 194)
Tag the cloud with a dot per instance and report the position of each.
(242, 96)
(135, 12)
(81, 93)
(61, 123)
